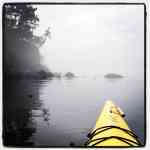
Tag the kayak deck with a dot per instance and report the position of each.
(111, 129)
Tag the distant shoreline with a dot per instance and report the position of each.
(113, 76)
(38, 75)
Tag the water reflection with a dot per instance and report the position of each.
(21, 104)
(46, 115)
(61, 112)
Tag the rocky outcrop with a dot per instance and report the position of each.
(113, 76)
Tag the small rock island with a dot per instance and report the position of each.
(113, 76)
(69, 75)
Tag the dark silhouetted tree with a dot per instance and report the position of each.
(20, 20)
(21, 46)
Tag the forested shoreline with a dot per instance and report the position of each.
(21, 47)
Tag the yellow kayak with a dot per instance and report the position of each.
(111, 129)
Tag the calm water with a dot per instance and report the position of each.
(60, 112)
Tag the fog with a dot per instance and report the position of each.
(93, 39)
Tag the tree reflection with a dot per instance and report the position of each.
(20, 98)
(46, 115)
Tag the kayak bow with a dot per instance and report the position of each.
(111, 129)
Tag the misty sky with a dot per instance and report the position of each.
(93, 39)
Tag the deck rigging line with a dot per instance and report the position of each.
(104, 128)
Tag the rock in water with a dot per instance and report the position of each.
(113, 76)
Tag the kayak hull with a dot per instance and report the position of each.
(111, 129)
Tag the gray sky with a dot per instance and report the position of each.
(93, 39)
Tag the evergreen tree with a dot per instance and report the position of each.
(21, 46)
